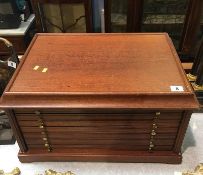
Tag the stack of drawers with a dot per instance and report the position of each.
(140, 131)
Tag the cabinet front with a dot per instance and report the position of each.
(137, 131)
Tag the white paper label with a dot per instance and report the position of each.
(12, 64)
(177, 88)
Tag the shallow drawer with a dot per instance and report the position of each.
(61, 135)
(104, 147)
(98, 116)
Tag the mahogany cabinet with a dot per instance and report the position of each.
(63, 16)
(107, 99)
(181, 19)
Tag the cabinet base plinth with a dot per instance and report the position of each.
(101, 156)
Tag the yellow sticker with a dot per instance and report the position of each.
(36, 67)
(44, 70)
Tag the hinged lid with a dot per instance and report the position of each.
(100, 71)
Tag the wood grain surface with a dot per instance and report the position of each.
(91, 70)
(96, 63)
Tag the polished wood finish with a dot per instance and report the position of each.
(181, 133)
(103, 101)
(16, 130)
(102, 156)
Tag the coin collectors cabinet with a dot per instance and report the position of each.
(100, 97)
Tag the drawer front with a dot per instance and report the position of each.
(100, 131)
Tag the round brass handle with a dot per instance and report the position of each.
(154, 126)
(46, 145)
(49, 149)
(37, 112)
(45, 139)
(41, 126)
(151, 145)
(158, 113)
(153, 133)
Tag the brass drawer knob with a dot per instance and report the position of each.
(40, 120)
(152, 137)
(153, 133)
(45, 139)
(49, 149)
(151, 145)
(41, 123)
(41, 126)
(46, 145)
(154, 126)
(158, 113)
(37, 112)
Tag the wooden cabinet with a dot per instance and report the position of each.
(181, 19)
(63, 16)
(105, 100)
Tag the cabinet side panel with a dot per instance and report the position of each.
(182, 130)
(16, 130)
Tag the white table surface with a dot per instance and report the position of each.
(24, 26)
